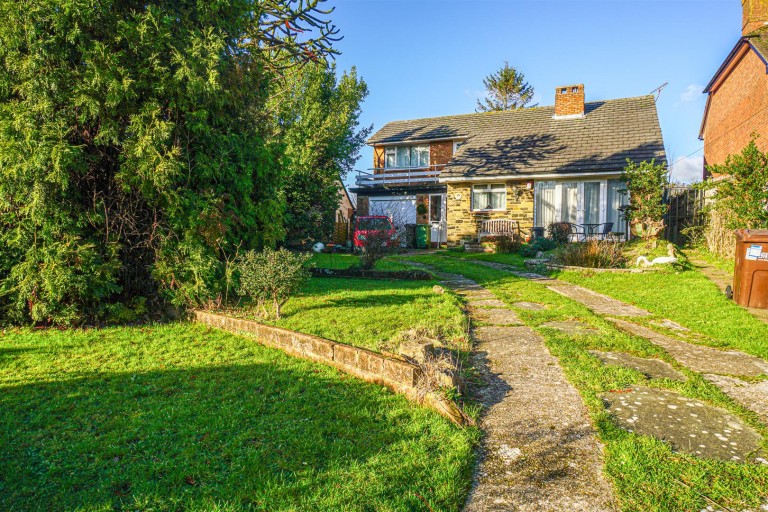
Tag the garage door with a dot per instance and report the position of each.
(401, 209)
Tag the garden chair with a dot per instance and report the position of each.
(606, 231)
(577, 232)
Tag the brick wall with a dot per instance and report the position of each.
(754, 15)
(569, 100)
(440, 152)
(399, 375)
(463, 222)
(738, 107)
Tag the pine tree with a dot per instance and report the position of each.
(505, 90)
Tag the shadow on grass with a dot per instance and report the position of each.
(260, 436)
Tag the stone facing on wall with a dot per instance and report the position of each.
(463, 223)
(398, 375)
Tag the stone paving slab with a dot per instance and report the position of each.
(485, 303)
(669, 324)
(497, 316)
(698, 357)
(531, 306)
(540, 450)
(597, 302)
(650, 367)
(751, 395)
(513, 270)
(688, 425)
(573, 327)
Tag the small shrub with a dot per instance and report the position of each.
(537, 245)
(376, 245)
(559, 232)
(527, 251)
(507, 244)
(592, 254)
(646, 182)
(272, 277)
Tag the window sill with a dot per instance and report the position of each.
(489, 211)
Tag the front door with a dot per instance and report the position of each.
(437, 218)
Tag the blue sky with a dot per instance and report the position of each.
(423, 58)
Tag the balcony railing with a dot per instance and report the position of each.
(399, 177)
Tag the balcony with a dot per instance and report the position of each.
(399, 177)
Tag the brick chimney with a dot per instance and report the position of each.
(569, 101)
(754, 15)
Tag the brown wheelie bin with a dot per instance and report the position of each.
(750, 277)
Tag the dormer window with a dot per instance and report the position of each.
(403, 157)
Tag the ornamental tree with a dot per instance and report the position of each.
(506, 89)
(134, 146)
(742, 189)
(645, 182)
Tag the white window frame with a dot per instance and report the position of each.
(489, 187)
(392, 151)
(580, 209)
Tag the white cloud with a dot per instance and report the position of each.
(688, 170)
(692, 92)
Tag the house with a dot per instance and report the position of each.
(535, 165)
(737, 96)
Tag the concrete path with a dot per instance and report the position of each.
(597, 302)
(540, 452)
(721, 367)
(700, 358)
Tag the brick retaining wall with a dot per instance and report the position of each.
(396, 374)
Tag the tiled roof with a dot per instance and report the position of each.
(530, 141)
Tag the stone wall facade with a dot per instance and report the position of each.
(463, 222)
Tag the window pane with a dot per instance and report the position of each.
(403, 156)
(545, 203)
(497, 200)
(422, 156)
(389, 161)
(480, 200)
(435, 208)
(570, 203)
(615, 200)
(591, 202)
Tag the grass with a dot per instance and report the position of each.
(181, 417)
(724, 264)
(369, 313)
(688, 298)
(513, 259)
(648, 476)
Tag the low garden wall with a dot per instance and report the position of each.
(397, 374)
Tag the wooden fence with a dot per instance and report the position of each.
(686, 210)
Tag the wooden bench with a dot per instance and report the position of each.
(497, 227)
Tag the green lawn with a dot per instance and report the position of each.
(368, 313)
(648, 476)
(688, 298)
(513, 259)
(181, 417)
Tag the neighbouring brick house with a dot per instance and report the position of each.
(535, 165)
(737, 101)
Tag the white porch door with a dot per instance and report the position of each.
(437, 218)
